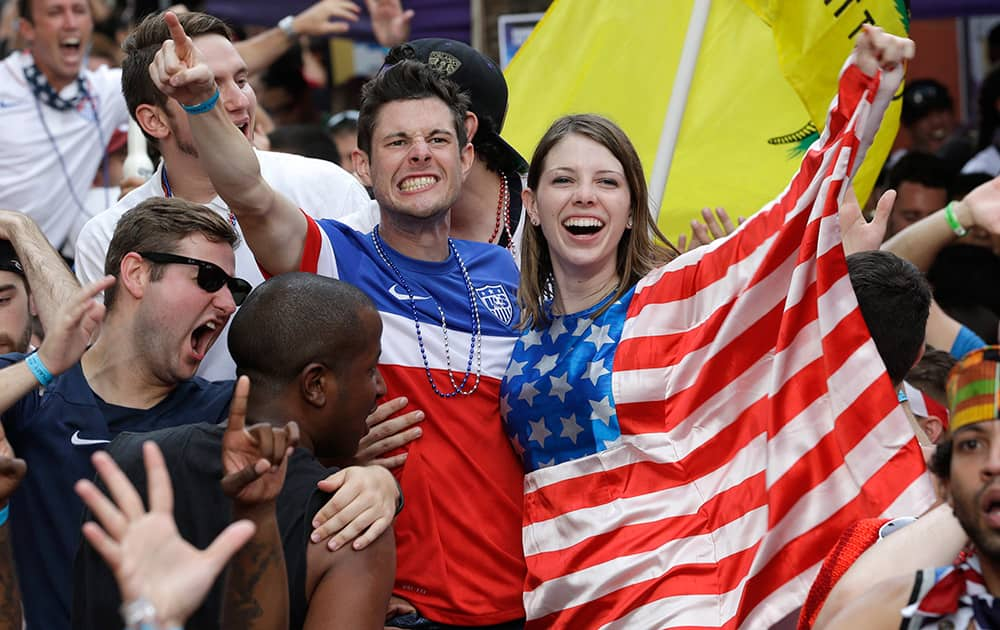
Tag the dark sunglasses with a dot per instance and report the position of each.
(211, 277)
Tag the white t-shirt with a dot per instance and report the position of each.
(45, 150)
(986, 161)
(321, 189)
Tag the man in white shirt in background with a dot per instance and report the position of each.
(56, 117)
(320, 188)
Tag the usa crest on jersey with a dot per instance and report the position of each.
(495, 298)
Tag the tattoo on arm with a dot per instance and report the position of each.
(256, 591)
(244, 577)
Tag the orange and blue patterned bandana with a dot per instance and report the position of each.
(974, 388)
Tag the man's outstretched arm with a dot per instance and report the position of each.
(323, 19)
(273, 225)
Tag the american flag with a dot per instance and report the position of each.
(757, 423)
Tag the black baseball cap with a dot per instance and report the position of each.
(922, 97)
(473, 72)
(9, 260)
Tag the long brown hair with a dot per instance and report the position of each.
(642, 248)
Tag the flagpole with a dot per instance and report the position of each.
(678, 101)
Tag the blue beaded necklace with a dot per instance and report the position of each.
(476, 345)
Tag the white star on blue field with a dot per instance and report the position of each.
(556, 397)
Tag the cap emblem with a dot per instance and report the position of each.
(444, 63)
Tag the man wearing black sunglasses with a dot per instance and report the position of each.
(318, 185)
(168, 294)
(211, 277)
(65, 401)
(447, 308)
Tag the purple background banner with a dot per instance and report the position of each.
(952, 8)
(451, 18)
(432, 18)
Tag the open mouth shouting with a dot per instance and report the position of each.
(990, 505)
(204, 336)
(71, 47)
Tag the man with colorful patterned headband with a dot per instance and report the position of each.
(968, 465)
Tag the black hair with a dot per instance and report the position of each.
(494, 155)
(930, 374)
(895, 301)
(964, 183)
(409, 80)
(940, 463)
(307, 140)
(293, 320)
(921, 168)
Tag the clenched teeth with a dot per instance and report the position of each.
(416, 183)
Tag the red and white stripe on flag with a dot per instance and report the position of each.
(757, 423)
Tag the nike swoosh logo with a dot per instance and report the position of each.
(395, 292)
(76, 440)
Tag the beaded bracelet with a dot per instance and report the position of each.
(34, 363)
(953, 222)
(4, 513)
(201, 108)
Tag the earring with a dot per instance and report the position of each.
(628, 225)
(534, 221)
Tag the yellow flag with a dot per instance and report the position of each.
(750, 109)
(813, 39)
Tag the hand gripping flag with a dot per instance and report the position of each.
(757, 423)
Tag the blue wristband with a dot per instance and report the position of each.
(201, 108)
(38, 369)
(4, 513)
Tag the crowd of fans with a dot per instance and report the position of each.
(233, 366)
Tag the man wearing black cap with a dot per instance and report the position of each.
(447, 308)
(929, 118)
(489, 207)
(927, 115)
(16, 308)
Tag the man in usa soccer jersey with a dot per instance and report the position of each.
(447, 308)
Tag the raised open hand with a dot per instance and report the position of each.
(75, 325)
(326, 17)
(711, 229)
(144, 549)
(390, 23)
(254, 460)
(858, 234)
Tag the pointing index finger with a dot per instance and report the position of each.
(182, 43)
(238, 406)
